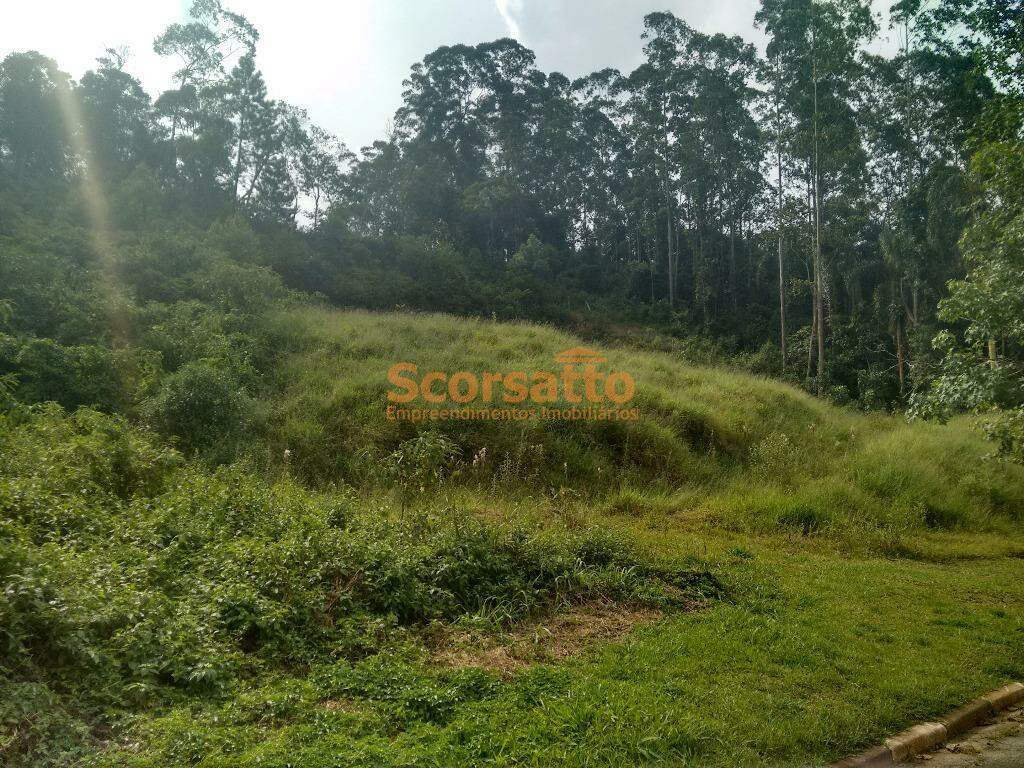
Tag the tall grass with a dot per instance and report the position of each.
(737, 450)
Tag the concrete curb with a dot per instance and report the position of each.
(927, 736)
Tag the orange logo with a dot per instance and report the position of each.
(589, 392)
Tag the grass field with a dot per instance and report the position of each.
(814, 654)
(713, 447)
(799, 580)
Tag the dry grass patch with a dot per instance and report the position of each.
(346, 706)
(558, 637)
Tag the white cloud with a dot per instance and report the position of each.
(508, 9)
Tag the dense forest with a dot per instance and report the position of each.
(844, 220)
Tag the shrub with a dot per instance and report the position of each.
(423, 462)
(1006, 430)
(73, 376)
(84, 454)
(200, 404)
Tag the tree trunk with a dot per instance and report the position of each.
(239, 151)
(782, 273)
(668, 245)
(675, 261)
(732, 266)
(818, 281)
(900, 355)
(810, 338)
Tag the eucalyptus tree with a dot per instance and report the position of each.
(600, 166)
(696, 149)
(919, 108)
(201, 47)
(511, 96)
(721, 151)
(440, 114)
(655, 105)
(777, 126)
(816, 44)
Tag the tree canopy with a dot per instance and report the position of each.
(821, 211)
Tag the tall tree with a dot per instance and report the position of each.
(201, 48)
(818, 43)
(34, 140)
(116, 116)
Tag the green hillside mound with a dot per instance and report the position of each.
(711, 445)
(287, 607)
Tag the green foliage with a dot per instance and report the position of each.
(1006, 430)
(130, 578)
(425, 461)
(983, 369)
(801, 617)
(32, 136)
(583, 203)
(156, 609)
(986, 369)
(201, 404)
(991, 298)
(963, 384)
(76, 375)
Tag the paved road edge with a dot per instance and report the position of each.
(927, 736)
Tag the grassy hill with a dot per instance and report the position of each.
(712, 447)
(745, 576)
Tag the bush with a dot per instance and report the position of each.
(1006, 430)
(423, 462)
(85, 454)
(70, 375)
(127, 579)
(201, 404)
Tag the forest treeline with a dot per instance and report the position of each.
(850, 221)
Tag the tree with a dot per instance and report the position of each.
(116, 116)
(984, 368)
(34, 139)
(201, 47)
(817, 43)
(321, 159)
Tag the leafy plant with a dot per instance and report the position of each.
(201, 404)
(421, 463)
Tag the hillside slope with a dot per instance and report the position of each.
(710, 444)
(785, 580)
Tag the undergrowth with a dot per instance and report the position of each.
(134, 578)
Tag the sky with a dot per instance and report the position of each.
(344, 60)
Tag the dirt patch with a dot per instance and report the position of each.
(340, 705)
(999, 744)
(558, 637)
